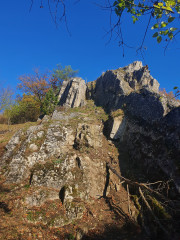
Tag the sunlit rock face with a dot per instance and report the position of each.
(72, 93)
(60, 159)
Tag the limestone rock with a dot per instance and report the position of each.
(145, 106)
(33, 147)
(113, 85)
(148, 106)
(47, 157)
(155, 147)
(40, 196)
(89, 135)
(118, 127)
(72, 93)
(12, 144)
(55, 142)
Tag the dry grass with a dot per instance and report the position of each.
(3, 120)
(117, 113)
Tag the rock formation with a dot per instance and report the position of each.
(72, 93)
(65, 156)
(113, 86)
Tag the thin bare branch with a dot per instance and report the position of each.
(170, 41)
(147, 27)
(32, 2)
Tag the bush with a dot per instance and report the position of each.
(24, 110)
(49, 102)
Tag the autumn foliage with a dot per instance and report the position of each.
(36, 84)
(40, 91)
(27, 108)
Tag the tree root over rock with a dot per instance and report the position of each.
(151, 200)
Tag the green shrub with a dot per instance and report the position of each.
(24, 110)
(49, 102)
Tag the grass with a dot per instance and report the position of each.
(91, 111)
(117, 113)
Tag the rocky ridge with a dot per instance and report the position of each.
(121, 119)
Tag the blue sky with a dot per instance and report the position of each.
(31, 39)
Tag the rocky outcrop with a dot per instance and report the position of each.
(89, 135)
(139, 116)
(61, 159)
(151, 147)
(65, 156)
(111, 88)
(72, 93)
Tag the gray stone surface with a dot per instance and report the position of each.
(72, 93)
(47, 156)
(118, 128)
(113, 85)
(89, 135)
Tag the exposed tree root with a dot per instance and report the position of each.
(156, 198)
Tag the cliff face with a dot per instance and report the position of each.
(149, 122)
(121, 119)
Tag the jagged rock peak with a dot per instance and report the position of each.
(72, 93)
(135, 66)
(137, 76)
(110, 89)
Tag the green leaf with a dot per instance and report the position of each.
(163, 24)
(160, 4)
(173, 29)
(134, 19)
(121, 4)
(159, 39)
(170, 19)
(177, 9)
(138, 14)
(168, 9)
(155, 26)
(133, 11)
(170, 3)
(170, 35)
(166, 32)
(155, 34)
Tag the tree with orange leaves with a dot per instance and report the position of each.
(36, 84)
(39, 85)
